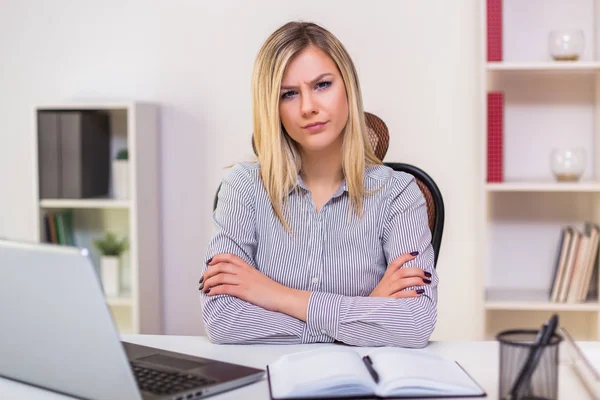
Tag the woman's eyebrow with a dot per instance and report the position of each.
(313, 81)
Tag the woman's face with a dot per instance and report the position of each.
(313, 104)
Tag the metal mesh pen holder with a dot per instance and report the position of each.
(515, 347)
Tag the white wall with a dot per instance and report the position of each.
(418, 64)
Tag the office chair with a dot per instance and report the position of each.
(379, 138)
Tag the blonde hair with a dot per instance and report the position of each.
(279, 155)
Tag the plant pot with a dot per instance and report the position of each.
(120, 179)
(110, 275)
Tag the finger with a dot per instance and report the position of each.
(221, 279)
(404, 258)
(408, 294)
(232, 290)
(402, 284)
(228, 258)
(410, 273)
(221, 268)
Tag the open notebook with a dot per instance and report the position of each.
(338, 372)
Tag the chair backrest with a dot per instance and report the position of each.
(433, 198)
(379, 138)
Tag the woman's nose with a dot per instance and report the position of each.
(309, 105)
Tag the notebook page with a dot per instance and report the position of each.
(321, 371)
(418, 372)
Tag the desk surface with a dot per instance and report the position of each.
(480, 359)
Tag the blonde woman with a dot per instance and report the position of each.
(316, 241)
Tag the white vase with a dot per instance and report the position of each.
(120, 179)
(110, 275)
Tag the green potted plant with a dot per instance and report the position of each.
(111, 247)
(120, 174)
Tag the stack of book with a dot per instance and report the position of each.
(58, 227)
(575, 273)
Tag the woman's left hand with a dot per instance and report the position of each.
(229, 274)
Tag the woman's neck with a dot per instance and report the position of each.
(322, 171)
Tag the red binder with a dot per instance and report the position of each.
(495, 142)
(494, 30)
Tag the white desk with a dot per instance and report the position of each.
(480, 359)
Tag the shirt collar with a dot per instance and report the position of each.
(343, 187)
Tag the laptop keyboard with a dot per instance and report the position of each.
(161, 382)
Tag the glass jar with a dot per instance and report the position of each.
(566, 44)
(568, 164)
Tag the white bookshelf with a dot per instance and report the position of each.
(547, 104)
(135, 126)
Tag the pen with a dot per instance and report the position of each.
(541, 341)
(369, 364)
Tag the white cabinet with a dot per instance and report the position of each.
(134, 126)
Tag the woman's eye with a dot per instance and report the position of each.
(288, 95)
(323, 85)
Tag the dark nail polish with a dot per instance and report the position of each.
(427, 281)
(207, 291)
(209, 260)
(414, 253)
(201, 286)
(420, 291)
(427, 274)
(201, 279)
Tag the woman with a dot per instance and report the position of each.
(316, 241)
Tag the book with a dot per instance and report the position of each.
(85, 154)
(593, 231)
(341, 372)
(48, 155)
(560, 265)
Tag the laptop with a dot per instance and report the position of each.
(57, 333)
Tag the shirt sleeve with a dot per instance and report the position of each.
(228, 319)
(378, 321)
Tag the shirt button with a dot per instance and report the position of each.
(315, 280)
(323, 331)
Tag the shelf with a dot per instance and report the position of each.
(85, 105)
(530, 300)
(590, 186)
(573, 66)
(119, 301)
(84, 203)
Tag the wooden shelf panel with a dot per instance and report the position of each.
(122, 301)
(590, 186)
(531, 300)
(84, 203)
(575, 66)
(83, 105)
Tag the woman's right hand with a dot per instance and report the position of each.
(396, 279)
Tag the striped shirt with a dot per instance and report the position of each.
(339, 260)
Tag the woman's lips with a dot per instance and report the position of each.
(315, 127)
